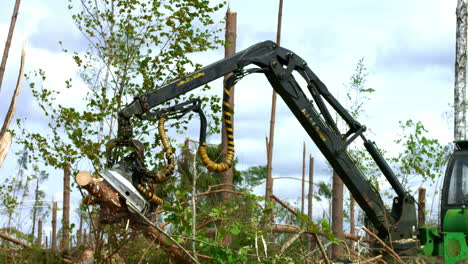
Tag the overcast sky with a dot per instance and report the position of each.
(407, 46)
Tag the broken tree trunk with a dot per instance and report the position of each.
(5, 136)
(421, 207)
(66, 208)
(79, 234)
(5, 143)
(269, 179)
(337, 215)
(53, 241)
(114, 210)
(303, 178)
(352, 225)
(311, 241)
(39, 232)
(230, 49)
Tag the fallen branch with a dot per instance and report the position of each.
(206, 223)
(295, 229)
(387, 248)
(14, 240)
(322, 250)
(21, 243)
(372, 260)
(288, 243)
(285, 205)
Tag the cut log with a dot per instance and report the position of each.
(114, 210)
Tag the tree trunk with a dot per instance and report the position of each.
(352, 226)
(39, 232)
(269, 179)
(5, 143)
(5, 136)
(421, 207)
(12, 108)
(303, 178)
(337, 215)
(460, 73)
(79, 234)
(36, 198)
(53, 241)
(311, 188)
(6, 50)
(229, 50)
(66, 208)
(310, 196)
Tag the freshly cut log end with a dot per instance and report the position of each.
(83, 178)
(100, 192)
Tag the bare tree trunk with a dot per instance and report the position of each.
(66, 208)
(5, 143)
(230, 49)
(53, 241)
(421, 207)
(269, 179)
(311, 188)
(5, 137)
(337, 215)
(39, 232)
(352, 225)
(6, 50)
(460, 73)
(79, 234)
(310, 196)
(303, 178)
(85, 239)
(36, 198)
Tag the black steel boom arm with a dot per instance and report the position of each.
(278, 64)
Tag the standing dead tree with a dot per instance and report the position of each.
(66, 208)
(5, 136)
(337, 215)
(270, 140)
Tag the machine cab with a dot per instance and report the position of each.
(455, 186)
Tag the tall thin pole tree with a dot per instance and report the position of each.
(230, 49)
(269, 180)
(460, 72)
(6, 50)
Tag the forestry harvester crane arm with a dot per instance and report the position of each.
(310, 106)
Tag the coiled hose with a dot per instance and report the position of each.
(158, 177)
(227, 121)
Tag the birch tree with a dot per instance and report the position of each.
(460, 73)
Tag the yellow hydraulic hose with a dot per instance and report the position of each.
(227, 120)
(159, 177)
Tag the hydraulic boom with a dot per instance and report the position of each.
(311, 107)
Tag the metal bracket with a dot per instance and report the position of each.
(119, 180)
(351, 139)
